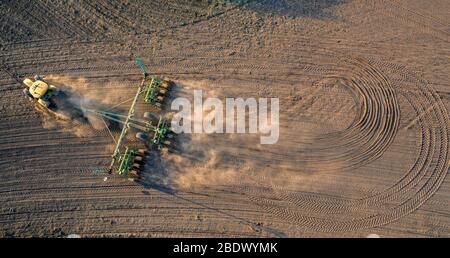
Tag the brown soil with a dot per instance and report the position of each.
(364, 129)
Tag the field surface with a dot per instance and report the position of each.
(364, 96)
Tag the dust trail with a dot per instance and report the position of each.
(214, 159)
(202, 157)
(75, 96)
(192, 173)
(191, 163)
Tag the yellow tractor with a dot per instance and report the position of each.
(57, 101)
(40, 90)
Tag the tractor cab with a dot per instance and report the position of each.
(40, 90)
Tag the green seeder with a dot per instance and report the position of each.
(129, 163)
(126, 160)
(156, 89)
(160, 131)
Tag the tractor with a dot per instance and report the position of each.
(51, 99)
(41, 91)
(154, 130)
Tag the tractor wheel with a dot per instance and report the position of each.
(142, 136)
(53, 90)
(44, 103)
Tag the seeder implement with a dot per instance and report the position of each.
(130, 163)
(125, 161)
(156, 90)
(159, 131)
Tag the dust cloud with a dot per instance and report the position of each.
(75, 96)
